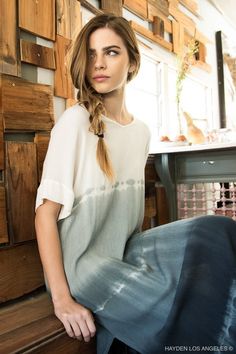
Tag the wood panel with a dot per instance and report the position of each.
(158, 26)
(202, 53)
(191, 5)
(75, 18)
(9, 61)
(154, 11)
(37, 55)
(21, 184)
(45, 336)
(21, 271)
(70, 102)
(183, 19)
(30, 325)
(150, 36)
(139, 7)
(161, 5)
(41, 141)
(162, 206)
(38, 17)
(174, 3)
(19, 314)
(26, 106)
(69, 20)
(150, 212)
(3, 217)
(176, 37)
(63, 18)
(87, 5)
(1, 139)
(63, 85)
(110, 6)
(156, 204)
(62, 344)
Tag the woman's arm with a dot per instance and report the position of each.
(77, 320)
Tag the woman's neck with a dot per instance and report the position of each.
(115, 106)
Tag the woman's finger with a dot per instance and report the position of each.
(76, 329)
(69, 329)
(91, 326)
(85, 331)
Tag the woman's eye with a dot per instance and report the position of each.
(112, 52)
(91, 56)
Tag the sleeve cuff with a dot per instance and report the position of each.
(58, 193)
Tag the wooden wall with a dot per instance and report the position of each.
(26, 118)
(27, 112)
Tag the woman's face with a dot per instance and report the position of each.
(108, 64)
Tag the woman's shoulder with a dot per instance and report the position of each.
(73, 118)
(143, 127)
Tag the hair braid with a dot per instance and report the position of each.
(86, 94)
(97, 126)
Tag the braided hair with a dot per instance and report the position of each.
(86, 95)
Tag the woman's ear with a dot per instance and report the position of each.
(132, 67)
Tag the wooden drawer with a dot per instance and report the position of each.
(205, 167)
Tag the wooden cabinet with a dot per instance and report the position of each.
(199, 182)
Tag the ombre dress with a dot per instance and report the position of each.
(170, 286)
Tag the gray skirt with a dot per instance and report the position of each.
(176, 286)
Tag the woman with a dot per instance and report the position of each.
(166, 286)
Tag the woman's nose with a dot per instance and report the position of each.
(100, 62)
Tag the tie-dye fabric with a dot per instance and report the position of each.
(170, 288)
(174, 290)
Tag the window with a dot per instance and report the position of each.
(151, 97)
(196, 99)
(144, 96)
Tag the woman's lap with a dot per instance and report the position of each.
(176, 287)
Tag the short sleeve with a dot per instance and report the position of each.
(59, 165)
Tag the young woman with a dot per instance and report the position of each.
(171, 285)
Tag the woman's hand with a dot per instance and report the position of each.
(77, 320)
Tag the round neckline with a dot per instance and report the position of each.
(117, 123)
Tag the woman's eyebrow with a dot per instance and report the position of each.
(105, 48)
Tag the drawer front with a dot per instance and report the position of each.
(214, 166)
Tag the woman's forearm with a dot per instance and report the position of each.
(50, 252)
(77, 320)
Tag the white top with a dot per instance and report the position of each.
(96, 217)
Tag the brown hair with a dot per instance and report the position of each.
(87, 96)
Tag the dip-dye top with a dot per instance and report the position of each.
(97, 217)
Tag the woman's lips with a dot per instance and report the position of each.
(100, 78)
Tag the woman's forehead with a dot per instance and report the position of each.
(103, 37)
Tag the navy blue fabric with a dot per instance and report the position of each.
(203, 315)
(175, 287)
